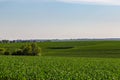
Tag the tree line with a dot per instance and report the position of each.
(31, 49)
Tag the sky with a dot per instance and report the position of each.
(59, 19)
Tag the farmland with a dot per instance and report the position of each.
(74, 49)
(82, 60)
(58, 68)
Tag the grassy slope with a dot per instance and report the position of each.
(80, 48)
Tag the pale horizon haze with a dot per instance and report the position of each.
(59, 19)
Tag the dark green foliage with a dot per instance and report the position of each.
(6, 53)
(35, 49)
(29, 49)
(2, 50)
(18, 52)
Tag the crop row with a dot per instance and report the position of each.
(58, 68)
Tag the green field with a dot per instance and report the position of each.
(80, 60)
(78, 48)
(58, 68)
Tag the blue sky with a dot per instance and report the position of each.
(51, 19)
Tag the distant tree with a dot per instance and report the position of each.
(36, 50)
(29, 49)
(5, 41)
